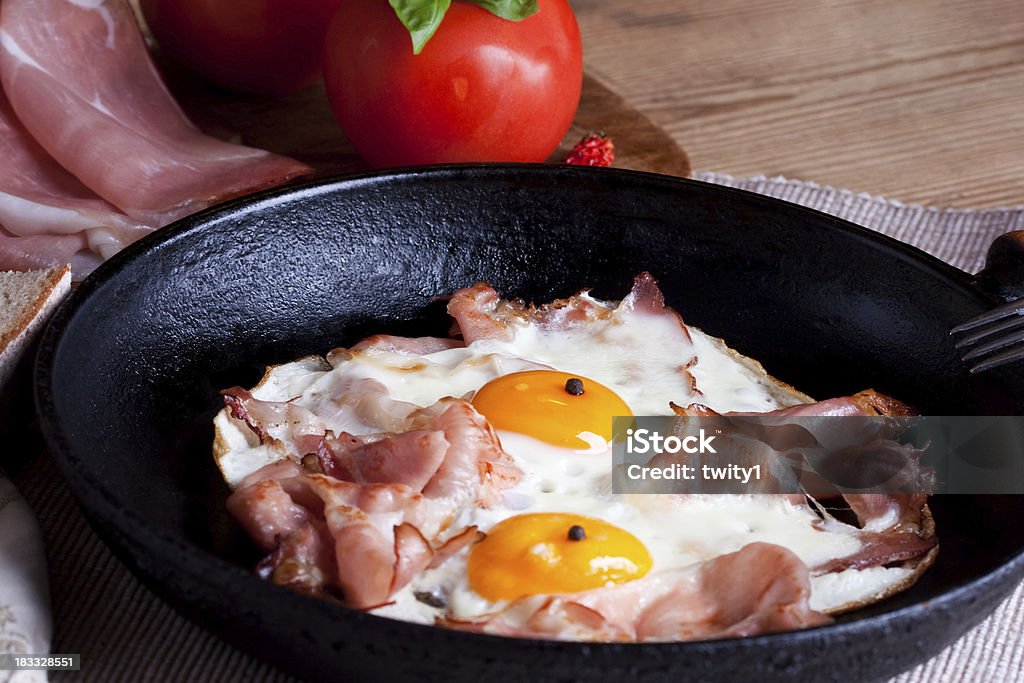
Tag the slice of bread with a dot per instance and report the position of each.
(26, 301)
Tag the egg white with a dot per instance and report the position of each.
(641, 362)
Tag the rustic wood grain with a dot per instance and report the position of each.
(917, 100)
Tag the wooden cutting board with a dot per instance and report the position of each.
(302, 126)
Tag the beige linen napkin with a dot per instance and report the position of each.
(25, 624)
(125, 634)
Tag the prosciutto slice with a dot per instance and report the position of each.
(475, 467)
(761, 588)
(47, 216)
(44, 251)
(79, 77)
(294, 429)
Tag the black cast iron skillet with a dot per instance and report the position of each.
(129, 370)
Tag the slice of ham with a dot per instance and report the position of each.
(409, 458)
(761, 588)
(304, 560)
(80, 79)
(267, 512)
(295, 429)
(882, 512)
(647, 297)
(377, 536)
(263, 507)
(893, 527)
(479, 311)
(475, 467)
(348, 402)
(386, 500)
(447, 450)
(880, 549)
(43, 251)
(867, 403)
(47, 216)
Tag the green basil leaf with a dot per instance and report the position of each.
(513, 10)
(421, 17)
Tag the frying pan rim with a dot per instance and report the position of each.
(181, 228)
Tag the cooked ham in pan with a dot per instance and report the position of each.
(376, 477)
(761, 588)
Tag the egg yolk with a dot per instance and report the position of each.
(543, 404)
(545, 553)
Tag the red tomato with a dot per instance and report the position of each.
(263, 46)
(482, 89)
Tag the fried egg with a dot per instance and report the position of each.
(560, 528)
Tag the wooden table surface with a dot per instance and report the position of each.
(917, 100)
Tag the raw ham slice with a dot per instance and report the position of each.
(47, 216)
(80, 78)
(43, 251)
(761, 588)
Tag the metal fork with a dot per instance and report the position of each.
(987, 337)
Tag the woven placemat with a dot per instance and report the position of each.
(125, 633)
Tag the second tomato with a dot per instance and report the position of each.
(259, 46)
(482, 89)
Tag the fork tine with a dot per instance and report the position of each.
(1015, 307)
(1012, 323)
(1015, 337)
(1007, 356)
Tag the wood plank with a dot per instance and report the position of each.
(917, 100)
